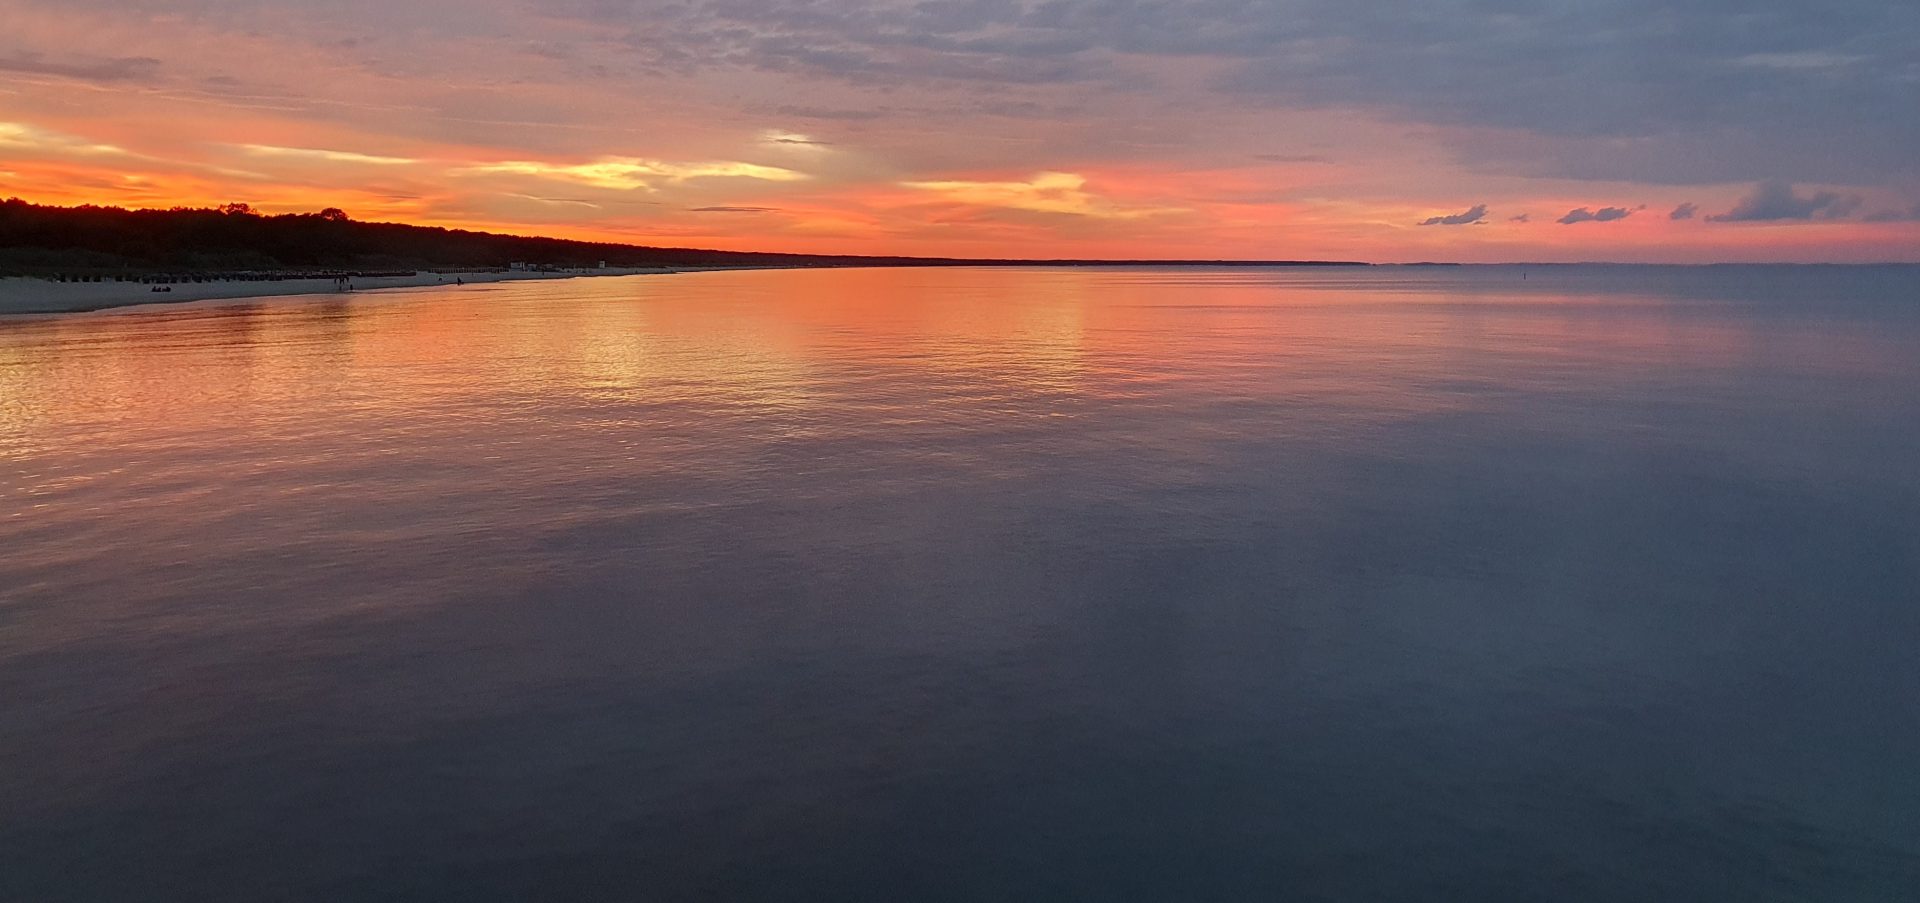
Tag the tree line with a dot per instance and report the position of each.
(38, 239)
(35, 238)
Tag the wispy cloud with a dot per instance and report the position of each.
(791, 139)
(1293, 158)
(325, 156)
(1798, 60)
(558, 202)
(633, 173)
(111, 69)
(1047, 192)
(20, 136)
(1684, 211)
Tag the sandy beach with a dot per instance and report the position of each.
(27, 295)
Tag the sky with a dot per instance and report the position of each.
(1624, 130)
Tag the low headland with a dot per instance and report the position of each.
(66, 259)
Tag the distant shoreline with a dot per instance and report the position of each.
(21, 295)
(28, 295)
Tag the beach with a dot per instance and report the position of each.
(29, 295)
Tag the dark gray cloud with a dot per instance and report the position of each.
(1774, 201)
(1472, 216)
(1520, 218)
(1602, 215)
(1894, 216)
(1707, 92)
(112, 69)
(1684, 211)
(877, 43)
(1822, 92)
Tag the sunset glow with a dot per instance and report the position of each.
(1020, 129)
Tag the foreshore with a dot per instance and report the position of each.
(28, 295)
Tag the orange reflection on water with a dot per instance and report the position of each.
(472, 412)
(963, 342)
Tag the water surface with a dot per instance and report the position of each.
(1395, 584)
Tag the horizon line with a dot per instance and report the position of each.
(871, 259)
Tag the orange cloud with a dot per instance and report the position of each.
(633, 174)
(323, 156)
(1046, 192)
(23, 138)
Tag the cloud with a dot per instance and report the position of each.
(1711, 92)
(1208, 103)
(112, 69)
(792, 139)
(1047, 192)
(1520, 218)
(732, 209)
(1803, 59)
(1894, 216)
(20, 136)
(1472, 216)
(558, 202)
(1776, 201)
(1706, 92)
(1684, 211)
(1644, 83)
(1603, 215)
(326, 156)
(860, 115)
(633, 173)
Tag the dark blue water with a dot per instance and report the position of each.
(1400, 584)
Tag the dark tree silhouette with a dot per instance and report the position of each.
(46, 240)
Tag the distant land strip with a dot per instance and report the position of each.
(88, 241)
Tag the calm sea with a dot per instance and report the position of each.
(1557, 584)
